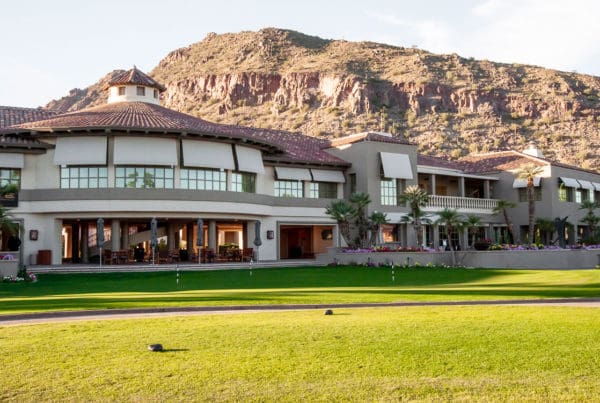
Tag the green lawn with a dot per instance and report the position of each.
(413, 353)
(293, 285)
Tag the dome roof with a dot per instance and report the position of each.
(134, 77)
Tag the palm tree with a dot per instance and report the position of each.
(502, 207)
(7, 223)
(528, 172)
(545, 227)
(451, 220)
(471, 222)
(416, 198)
(376, 220)
(343, 213)
(590, 218)
(360, 201)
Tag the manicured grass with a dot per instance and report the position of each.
(297, 285)
(416, 353)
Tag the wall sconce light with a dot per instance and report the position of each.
(270, 234)
(33, 235)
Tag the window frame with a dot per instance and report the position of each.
(132, 172)
(295, 187)
(203, 179)
(237, 182)
(81, 180)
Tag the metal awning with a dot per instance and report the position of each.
(522, 183)
(12, 160)
(570, 182)
(325, 175)
(296, 174)
(80, 150)
(396, 166)
(586, 184)
(249, 160)
(145, 151)
(207, 154)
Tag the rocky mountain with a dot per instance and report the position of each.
(447, 104)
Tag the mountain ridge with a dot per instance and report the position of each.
(446, 104)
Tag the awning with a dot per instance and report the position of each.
(207, 154)
(324, 175)
(249, 160)
(145, 151)
(596, 185)
(297, 174)
(570, 183)
(12, 160)
(586, 184)
(89, 150)
(396, 166)
(522, 183)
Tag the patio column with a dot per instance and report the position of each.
(125, 236)
(486, 189)
(84, 243)
(115, 236)
(436, 236)
(170, 236)
(432, 180)
(189, 227)
(461, 186)
(212, 235)
(335, 232)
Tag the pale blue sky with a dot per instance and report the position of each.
(49, 47)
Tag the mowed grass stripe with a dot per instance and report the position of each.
(481, 353)
(291, 286)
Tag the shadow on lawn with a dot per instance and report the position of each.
(72, 284)
(318, 296)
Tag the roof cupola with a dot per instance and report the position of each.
(134, 86)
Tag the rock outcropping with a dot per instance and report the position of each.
(446, 104)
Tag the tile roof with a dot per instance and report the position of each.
(439, 162)
(367, 136)
(134, 77)
(10, 115)
(500, 161)
(146, 117)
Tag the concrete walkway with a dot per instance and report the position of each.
(104, 314)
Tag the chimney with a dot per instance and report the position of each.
(533, 151)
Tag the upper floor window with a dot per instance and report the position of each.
(121, 90)
(592, 195)
(352, 179)
(81, 177)
(10, 177)
(141, 91)
(523, 197)
(288, 188)
(389, 192)
(156, 94)
(323, 190)
(203, 179)
(144, 177)
(243, 182)
(579, 195)
(565, 193)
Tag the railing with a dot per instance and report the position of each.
(461, 203)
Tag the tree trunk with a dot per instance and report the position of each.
(418, 232)
(345, 231)
(508, 225)
(531, 195)
(450, 245)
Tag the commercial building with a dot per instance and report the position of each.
(132, 160)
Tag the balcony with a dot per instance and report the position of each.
(461, 203)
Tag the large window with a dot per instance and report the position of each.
(523, 197)
(243, 182)
(10, 177)
(203, 179)
(91, 177)
(323, 190)
(144, 177)
(288, 189)
(565, 194)
(352, 183)
(141, 91)
(389, 192)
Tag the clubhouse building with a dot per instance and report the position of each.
(131, 161)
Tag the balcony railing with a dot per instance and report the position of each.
(461, 203)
